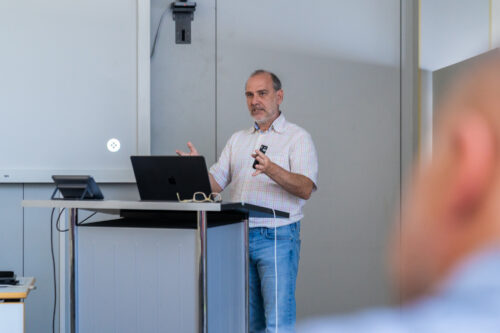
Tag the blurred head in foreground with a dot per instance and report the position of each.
(453, 207)
(446, 249)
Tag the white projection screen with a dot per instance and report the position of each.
(73, 75)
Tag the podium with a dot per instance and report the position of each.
(160, 266)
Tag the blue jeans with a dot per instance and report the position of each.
(262, 278)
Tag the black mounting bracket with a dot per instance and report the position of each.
(183, 14)
(76, 188)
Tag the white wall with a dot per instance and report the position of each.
(74, 75)
(340, 69)
(495, 23)
(426, 115)
(452, 31)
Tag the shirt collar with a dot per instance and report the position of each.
(278, 125)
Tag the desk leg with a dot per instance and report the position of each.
(201, 217)
(73, 218)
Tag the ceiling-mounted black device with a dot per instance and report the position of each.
(183, 14)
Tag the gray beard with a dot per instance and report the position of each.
(263, 121)
(267, 119)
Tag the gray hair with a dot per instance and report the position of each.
(274, 78)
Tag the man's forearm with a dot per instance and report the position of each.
(293, 183)
(213, 184)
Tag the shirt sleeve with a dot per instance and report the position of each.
(304, 158)
(221, 170)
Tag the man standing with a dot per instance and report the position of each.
(283, 178)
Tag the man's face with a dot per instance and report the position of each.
(262, 100)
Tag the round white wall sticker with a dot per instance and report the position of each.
(113, 145)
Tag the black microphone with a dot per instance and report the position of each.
(263, 149)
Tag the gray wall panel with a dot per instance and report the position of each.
(11, 228)
(183, 83)
(349, 100)
(37, 260)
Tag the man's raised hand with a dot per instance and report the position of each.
(192, 151)
(265, 165)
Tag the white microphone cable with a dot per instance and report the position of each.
(275, 264)
(275, 271)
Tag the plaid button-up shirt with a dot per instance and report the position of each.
(289, 146)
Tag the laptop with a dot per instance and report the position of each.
(160, 178)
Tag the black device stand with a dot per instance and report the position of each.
(76, 188)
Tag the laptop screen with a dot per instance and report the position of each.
(160, 178)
